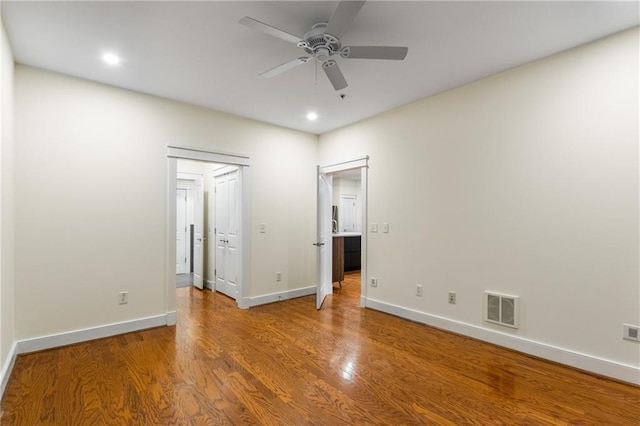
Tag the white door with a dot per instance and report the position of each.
(181, 231)
(226, 227)
(198, 233)
(324, 239)
(348, 213)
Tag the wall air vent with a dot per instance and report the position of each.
(501, 309)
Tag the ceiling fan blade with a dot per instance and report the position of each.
(268, 29)
(342, 17)
(284, 67)
(332, 70)
(374, 52)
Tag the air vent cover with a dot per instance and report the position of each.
(501, 309)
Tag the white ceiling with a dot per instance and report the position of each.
(196, 52)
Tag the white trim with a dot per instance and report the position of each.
(172, 318)
(245, 253)
(224, 170)
(86, 334)
(279, 296)
(189, 176)
(170, 241)
(361, 163)
(211, 285)
(345, 165)
(7, 368)
(244, 172)
(614, 370)
(364, 232)
(205, 155)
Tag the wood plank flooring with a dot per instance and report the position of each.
(288, 364)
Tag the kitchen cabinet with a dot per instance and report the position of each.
(352, 250)
(346, 253)
(337, 269)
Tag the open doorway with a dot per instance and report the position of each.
(347, 230)
(200, 167)
(341, 241)
(195, 222)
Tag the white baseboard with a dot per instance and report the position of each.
(7, 368)
(614, 370)
(211, 285)
(77, 336)
(172, 318)
(279, 296)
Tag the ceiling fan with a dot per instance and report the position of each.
(323, 41)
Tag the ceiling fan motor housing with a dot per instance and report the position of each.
(318, 44)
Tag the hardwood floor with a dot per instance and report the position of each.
(288, 364)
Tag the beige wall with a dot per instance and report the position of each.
(6, 200)
(524, 183)
(91, 191)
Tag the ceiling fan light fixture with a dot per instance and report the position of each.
(323, 41)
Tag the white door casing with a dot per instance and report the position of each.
(362, 165)
(198, 234)
(324, 241)
(181, 231)
(227, 220)
(242, 163)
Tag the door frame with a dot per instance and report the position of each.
(174, 153)
(186, 237)
(361, 163)
(190, 188)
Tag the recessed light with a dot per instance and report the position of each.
(111, 58)
(312, 116)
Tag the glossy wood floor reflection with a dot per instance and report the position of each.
(288, 364)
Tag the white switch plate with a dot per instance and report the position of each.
(385, 228)
(263, 228)
(278, 276)
(123, 297)
(374, 227)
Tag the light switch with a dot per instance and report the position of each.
(374, 227)
(263, 228)
(385, 228)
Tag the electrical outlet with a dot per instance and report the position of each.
(452, 297)
(123, 298)
(374, 282)
(278, 276)
(418, 290)
(631, 332)
(263, 228)
(374, 227)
